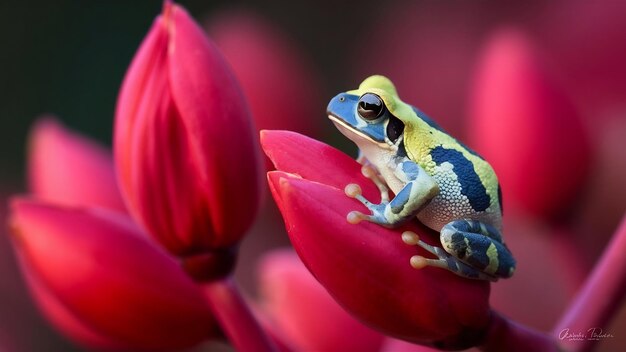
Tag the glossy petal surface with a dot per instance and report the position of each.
(184, 143)
(97, 275)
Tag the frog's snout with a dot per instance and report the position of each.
(342, 106)
(335, 105)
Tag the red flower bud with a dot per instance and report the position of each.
(103, 282)
(365, 267)
(185, 146)
(527, 129)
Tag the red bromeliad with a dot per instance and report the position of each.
(363, 264)
(365, 268)
(178, 114)
(178, 107)
(94, 272)
(180, 124)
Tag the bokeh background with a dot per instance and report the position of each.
(68, 58)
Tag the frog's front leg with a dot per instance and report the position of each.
(419, 188)
(470, 249)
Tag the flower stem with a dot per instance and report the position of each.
(235, 317)
(599, 298)
(506, 335)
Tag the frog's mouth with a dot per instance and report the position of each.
(354, 134)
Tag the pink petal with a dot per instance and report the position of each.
(95, 269)
(366, 269)
(315, 161)
(67, 168)
(178, 108)
(285, 284)
(527, 129)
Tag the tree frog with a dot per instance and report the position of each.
(434, 177)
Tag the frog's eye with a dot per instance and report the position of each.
(370, 106)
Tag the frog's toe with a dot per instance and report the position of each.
(444, 259)
(378, 211)
(452, 264)
(355, 217)
(410, 238)
(353, 190)
(419, 262)
(371, 173)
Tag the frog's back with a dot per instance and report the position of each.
(468, 187)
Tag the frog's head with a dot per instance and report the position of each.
(372, 113)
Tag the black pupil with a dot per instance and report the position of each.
(395, 127)
(370, 106)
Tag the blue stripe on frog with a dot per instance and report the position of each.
(471, 185)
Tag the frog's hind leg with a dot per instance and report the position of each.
(479, 245)
(444, 261)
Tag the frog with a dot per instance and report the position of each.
(434, 178)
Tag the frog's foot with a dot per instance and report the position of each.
(444, 259)
(378, 210)
(353, 190)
